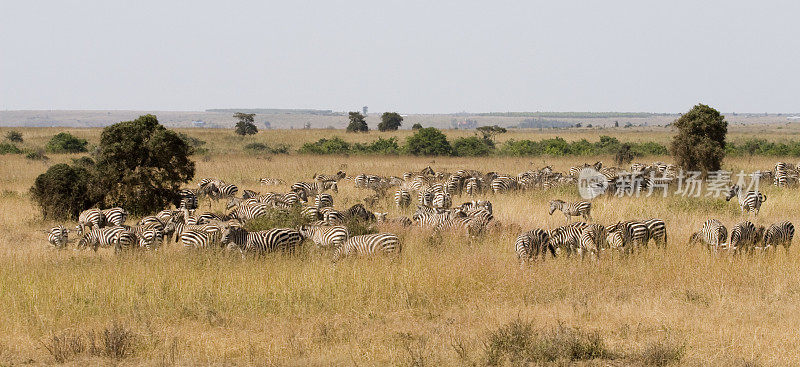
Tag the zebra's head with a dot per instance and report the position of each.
(734, 190)
(305, 230)
(555, 204)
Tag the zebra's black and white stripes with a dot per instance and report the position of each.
(750, 201)
(780, 233)
(370, 244)
(325, 236)
(573, 209)
(277, 239)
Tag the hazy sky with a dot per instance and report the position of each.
(408, 56)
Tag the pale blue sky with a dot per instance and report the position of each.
(409, 56)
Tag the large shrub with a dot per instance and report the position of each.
(380, 146)
(358, 124)
(64, 191)
(245, 124)
(326, 146)
(14, 136)
(471, 147)
(390, 121)
(141, 165)
(66, 143)
(428, 141)
(6, 148)
(700, 142)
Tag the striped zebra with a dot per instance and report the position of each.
(618, 240)
(125, 240)
(369, 244)
(364, 180)
(151, 239)
(99, 237)
(472, 187)
(311, 213)
(470, 226)
(529, 245)
(277, 239)
(268, 181)
(402, 198)
(634, 234)
(401, 221)
(212, 228)
(58, 236)
(188, 199)
(227, 191)
(566, 239)
(247, 194)
(745, 236)
(90, 218)
(442, 200)
(316, 187)
(245, 213)
(322, 200)
(338, 176)
(428, 217)
(504, 184)
(657, 231)
(780, 233)
(781, 174)
(198, 239)
(750, 201)
(115, 216)
(712, 233)
(573, 209)
(325, 236)
(593, 239)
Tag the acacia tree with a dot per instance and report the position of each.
(246, 124)
(390, 121)
(700, 142)
(357, 123)
(488, 133)
(141, 165)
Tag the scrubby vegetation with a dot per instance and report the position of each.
(66, 143)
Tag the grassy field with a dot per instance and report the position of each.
(447, 301)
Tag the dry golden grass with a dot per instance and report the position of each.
(438, 305)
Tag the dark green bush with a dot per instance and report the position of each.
(428, 141)
(755, 146)
(14, 136)
(416, 126)
(66, 143)
(64, 191)
(560, 147)
(326, 146)
(6, 148)
(472, 146)
(380, 146)
(264, 148)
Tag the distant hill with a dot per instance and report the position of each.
(278, 111)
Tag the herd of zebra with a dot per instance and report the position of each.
(432, 193)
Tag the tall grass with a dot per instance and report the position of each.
(440, 303)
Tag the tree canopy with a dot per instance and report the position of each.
(141, 165)
(428, 141)
(700, 142)
(390, 121)
(357, 123)
(246, 124)
(66, 143)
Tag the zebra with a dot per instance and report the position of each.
(338, 176)
(358, 212)
(472, 186)
(713, 233)
(402, 221)
(429, 217)
(618, 240)
(442, 200)
(529, 245)
(592, 239)
(90, 218)
(566, 238)
(369, 244)
(365, 180)
(99, 237)
(211, 228)
(151, 239)
(125, 240)
(634, 234)
(115, 216)
(316, 187)
(268, 181)
(245, 213)
(745, 236)
(247, 194)
(58, 236)
(188, 199)
(781, 174)
(311, 212)
(323, 200)
(780, 233)
(657, 231)
(750, 201)
(325, 236)
(471, 226)
(402, 198)
(573, 209)
(227, 191)
(284, 239)
(503, 184)
(197, 239)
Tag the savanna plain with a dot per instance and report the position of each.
(447, 300)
